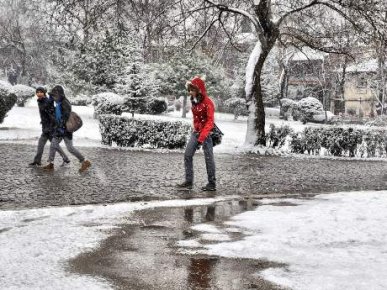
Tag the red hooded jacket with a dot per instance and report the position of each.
(203, 112)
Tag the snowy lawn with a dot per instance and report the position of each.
(22, 125)
(334, 241)
(36, 244)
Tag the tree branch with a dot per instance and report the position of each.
(252, 18)
(281, 19)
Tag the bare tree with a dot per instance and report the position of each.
(301, 22)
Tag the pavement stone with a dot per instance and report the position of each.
(118, 175)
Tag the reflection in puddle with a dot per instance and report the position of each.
(217, 212)
(200, 272)
(146, 254)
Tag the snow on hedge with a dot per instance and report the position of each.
(7, 99)
(23, 93)
(5, 88)
(310, 104)
(107, 103)
(128, 132)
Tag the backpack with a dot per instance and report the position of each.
(74, 122)
(216, 135)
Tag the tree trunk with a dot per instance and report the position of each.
(256, 122)
(184, 106)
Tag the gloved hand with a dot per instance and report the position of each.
(199, 145)
(60, 131)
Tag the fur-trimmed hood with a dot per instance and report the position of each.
(198, 83)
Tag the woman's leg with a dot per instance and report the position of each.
(70, 147)
(210, 161)
(188, 157)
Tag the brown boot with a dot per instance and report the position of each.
(85, 164)
(49, 166)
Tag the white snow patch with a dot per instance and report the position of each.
(215, 237)
(208, 228)
(334, 241)
(189, 244)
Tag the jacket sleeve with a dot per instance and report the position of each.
(66, 110)
(209, 123)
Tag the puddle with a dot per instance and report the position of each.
(144, 254)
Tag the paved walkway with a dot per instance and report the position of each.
(125, 175)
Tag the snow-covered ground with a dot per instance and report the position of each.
(36, 244)
(334, 241)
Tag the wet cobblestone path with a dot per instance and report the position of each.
(125, 175)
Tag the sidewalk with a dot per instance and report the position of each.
(126, 175)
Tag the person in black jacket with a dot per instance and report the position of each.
(62, 114)
(47, 120)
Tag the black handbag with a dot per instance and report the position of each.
(216, 135)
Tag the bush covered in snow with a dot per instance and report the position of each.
(132, 105)
(81, 100)
(287, 106)
(107, 103)
(277, 136)
(129, 132)
(236, 106)
(7, 99)
(339, 141)
(156, 106)
(306, 108)
(23, 93)
(5, 88)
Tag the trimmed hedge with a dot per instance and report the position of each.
(277, 136)
(340, 142)
(128, 132)
(23, 93)
(7, 99)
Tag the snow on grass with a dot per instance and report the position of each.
(334, 241)
(36, 244)
(22, 125)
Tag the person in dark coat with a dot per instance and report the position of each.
(47, 120)
(62, 114)
(203, 111)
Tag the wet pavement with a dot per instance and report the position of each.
(145, 254)
(126, 175)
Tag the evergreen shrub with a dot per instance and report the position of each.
(340, 142)
(129, 132)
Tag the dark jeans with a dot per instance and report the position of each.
(208, 155)
(41, 143)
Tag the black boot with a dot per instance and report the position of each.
(65, 162)
(209, 187)
(185, 185)
(35, 163)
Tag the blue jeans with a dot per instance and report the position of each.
(41, 143)
(208, 155)
(69, 145)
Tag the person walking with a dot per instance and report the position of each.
(203, 111)
(62, 114)
(47, 120)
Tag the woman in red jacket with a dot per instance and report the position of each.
(203, 121)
